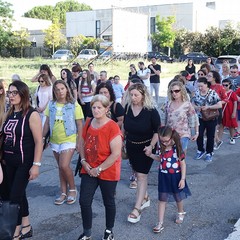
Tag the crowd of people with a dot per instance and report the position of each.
(96, 116)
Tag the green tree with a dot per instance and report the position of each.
(41, 12)
(6, 15)
(165, 35)
(57, 12)
(76, 44)
(54, 37)
(20, 40)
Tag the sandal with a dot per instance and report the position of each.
(28, 234)
(61, 200)
(146, 203)
(158, 228)
(72, 199)
(133, 184)
(16, 237)
(133, 218)
(180, 217)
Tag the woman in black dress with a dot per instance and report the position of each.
(141, 123)
(191, 69)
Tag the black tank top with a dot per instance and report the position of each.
(18, 146)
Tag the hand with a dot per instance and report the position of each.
(205, 107)
(233, 115)
(148, 150)
(33, 172)
(86, 167)
(194, 138)
(181, 184)
(94, 172)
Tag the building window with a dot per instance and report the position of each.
(152, 25)
(98, 28)
(107, 38)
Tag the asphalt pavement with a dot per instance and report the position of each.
(212, 210)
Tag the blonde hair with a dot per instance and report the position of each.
(183, 91)
(100, 98)
(148, 101)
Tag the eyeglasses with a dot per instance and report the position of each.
(225, 85)
(233, 72)
(175, 91)
(167, 141)
(41, 81)
(13, 93)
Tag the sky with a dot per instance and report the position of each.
(225, 7)
(20, 7)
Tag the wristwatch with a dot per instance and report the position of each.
(99, 170)
(37, 164)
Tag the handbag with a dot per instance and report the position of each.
(209, 114)
(8, 219)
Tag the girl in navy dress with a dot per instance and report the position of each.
(172, 184)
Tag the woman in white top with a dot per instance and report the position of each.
(43, 95)
(86, 91)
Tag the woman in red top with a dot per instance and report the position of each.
(101, 165)
(214, 78)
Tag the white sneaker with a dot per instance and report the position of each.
(232, 141)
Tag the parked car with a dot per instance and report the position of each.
(105, 55)
(87, 54)
(231, 59)
(63, 54)
(197, 57)
(160, 56)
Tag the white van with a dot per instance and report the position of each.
(231, 59)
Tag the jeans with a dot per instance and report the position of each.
(155, 87)
(210, 131)
(87, 191)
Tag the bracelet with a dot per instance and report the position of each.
(83, 160)
(37, 164)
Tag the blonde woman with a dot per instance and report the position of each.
(141, 123)
(181, 114)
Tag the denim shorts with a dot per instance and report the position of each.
(184, 142)
(58, 148)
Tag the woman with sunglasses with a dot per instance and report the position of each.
(214, 78)
(22, 151)
(229, 112)
(43, 95)
(141, 123)
(44, 69)
(181, 115)
(205, 98)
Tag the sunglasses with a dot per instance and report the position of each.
(233, 72)
(200, 74)
(41, 81)
(175, 91)
(13, 93)
(225, 85)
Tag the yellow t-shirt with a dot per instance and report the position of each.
(58, 134)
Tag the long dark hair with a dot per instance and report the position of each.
(69, 76)
(24, 94)
(109, 87)
(88, 79)
(167, 131)
(45, 67)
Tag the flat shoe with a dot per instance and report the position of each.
(72, 199)
(158, 228)
(180, 217)
(133, 185)
(61, 200)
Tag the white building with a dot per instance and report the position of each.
(191, 15)
(34, 26)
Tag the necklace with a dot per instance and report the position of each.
(15, 114)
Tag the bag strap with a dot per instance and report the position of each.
(227, 102)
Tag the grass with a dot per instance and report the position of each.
(27, 68)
